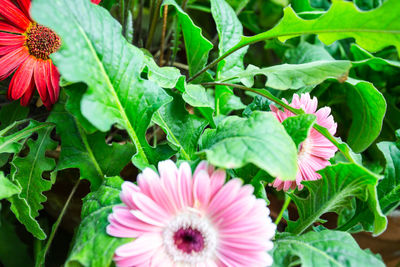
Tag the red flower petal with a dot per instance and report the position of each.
(26, 98)
(11, 39)
(47, 77)
(11, 61)
(6, 27)
(96, 1)
(40, 81)
(22, 79)
(12, 14)
(4, 50)
(25, 6)
(55, 80)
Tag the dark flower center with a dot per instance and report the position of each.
(189, 240)
(42, 41)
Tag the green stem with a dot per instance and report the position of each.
(322, 130)
(284, 207)
(122, 15)
(156, 15)
(41, 259)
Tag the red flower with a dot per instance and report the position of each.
(25, 47)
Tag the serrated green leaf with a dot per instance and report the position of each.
(299, 126)
(7, 188)
(110, 66)
(166, 77)
(295, 76)
(368, 108)
(12, 143)
(324, 248)
(90, 153)
(259, 139)
(92, 245)
(339, 184)
(27, 174)
(183, 129)
(342, 20)
(197, 46)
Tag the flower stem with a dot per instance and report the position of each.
(284, 207)
(42, 255)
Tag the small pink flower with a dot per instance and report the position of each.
(316, 150)
(180, 220)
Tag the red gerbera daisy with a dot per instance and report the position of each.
(25, 47)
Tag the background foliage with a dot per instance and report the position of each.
(144, 81)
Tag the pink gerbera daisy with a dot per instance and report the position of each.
(316, 150)
(180, 220)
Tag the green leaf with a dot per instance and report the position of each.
(90, 153)
(295, 76)
(363, 58)
(27, 173)
(12, 112)
(259, 139)
(166, 77)
(368, 108)
(230, 31)
(12, 143)
(338, 185)
(110, 67)
(7, 188)
(299, 126)
(92, 245)
(342, 20)
(389, 186)
(197, 46)
(324, 248)
(196, 96)
(183, 129)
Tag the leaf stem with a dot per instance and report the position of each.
(284, 207)
(41, 259)
(156, 15)
(164, 29)
(276, 100)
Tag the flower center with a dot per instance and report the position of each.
(190, 238)
(41, 41)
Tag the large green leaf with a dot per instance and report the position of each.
(7, 188)
(95, 52)
(324, 248)
(339, 184)
(197, 46)
(389, 186)
(295, 76)
(368, 108)
(372, 30)
(259, 139)
(183, 129)
(92, 246)
(94, 158)
(27, 173)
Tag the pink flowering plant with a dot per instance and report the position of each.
(198, 133)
